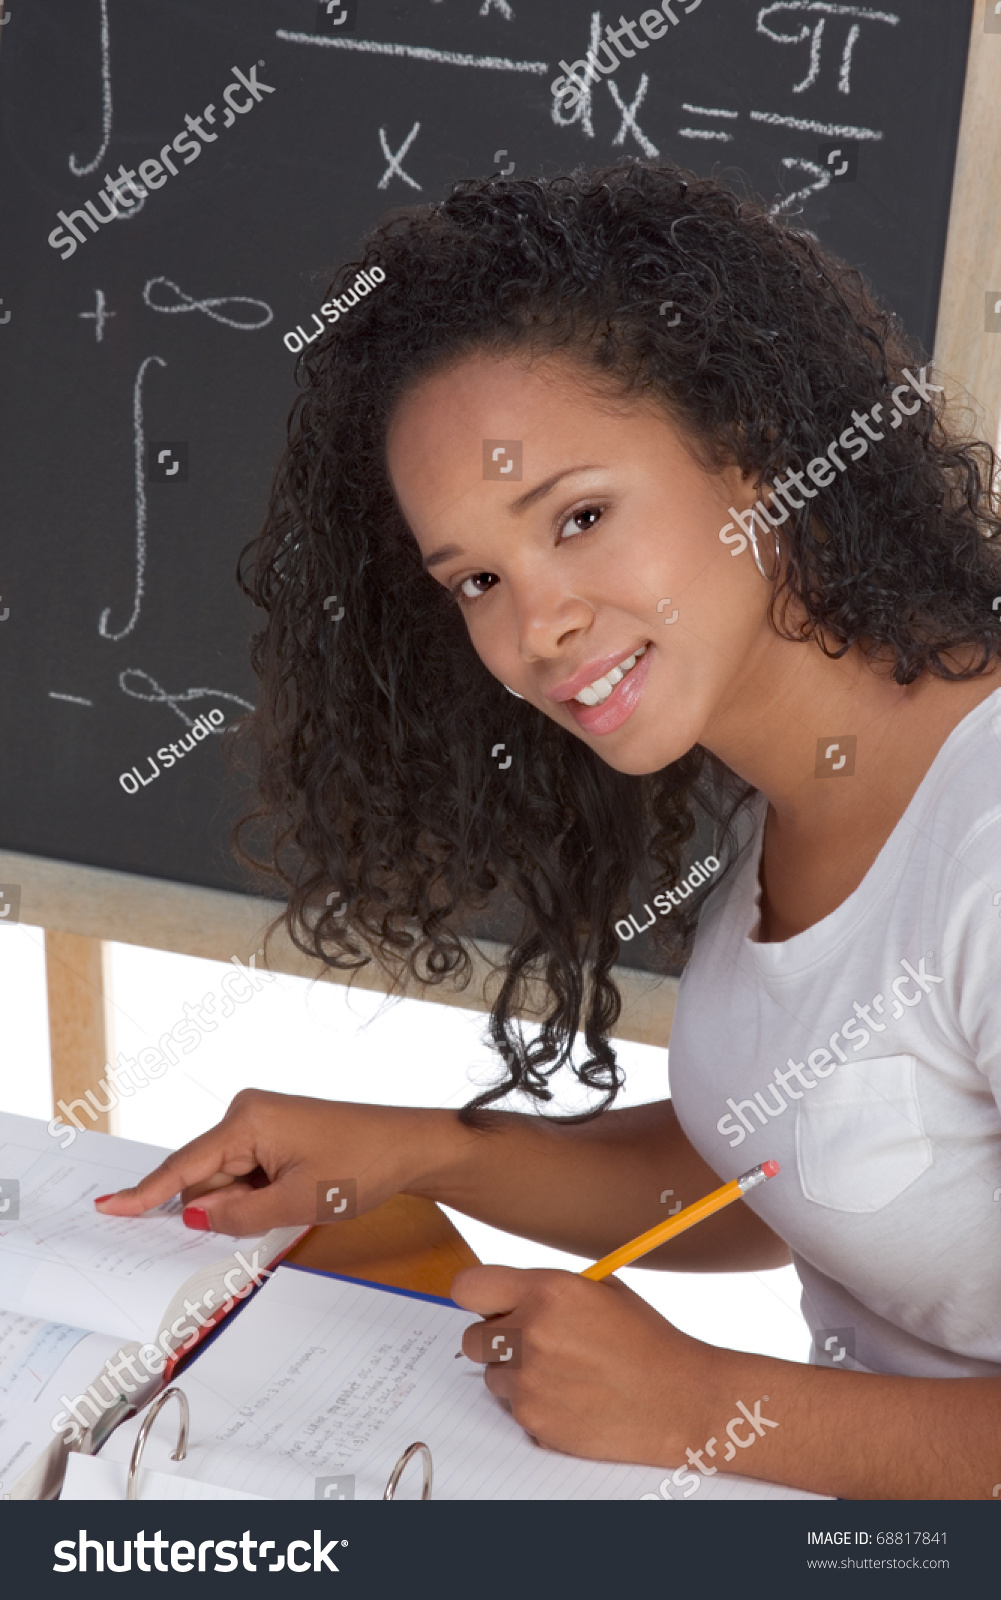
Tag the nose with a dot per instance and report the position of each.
(549, 620)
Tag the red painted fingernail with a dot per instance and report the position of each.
(101, 1197)
(195, 1217)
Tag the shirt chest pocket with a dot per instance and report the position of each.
(860, 1138)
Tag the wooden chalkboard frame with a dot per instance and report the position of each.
(83, 907)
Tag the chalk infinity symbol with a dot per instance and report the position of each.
(210, 306)
(161, 697)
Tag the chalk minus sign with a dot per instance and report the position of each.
(417, 52)
(74, 699)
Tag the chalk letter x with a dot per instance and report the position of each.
(394, 160)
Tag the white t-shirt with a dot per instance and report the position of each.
(864, 1055)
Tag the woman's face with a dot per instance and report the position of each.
(603, 541)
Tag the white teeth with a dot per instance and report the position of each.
(596, 693)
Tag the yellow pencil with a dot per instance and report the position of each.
(685, 1219)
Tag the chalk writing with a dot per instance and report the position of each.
(160, 697)
(139, 440)
(394, 169)
(833, 130)
(720, 134)
(822, 175)
(83, 169)
(822, 10)
(629, 123)
(98, 316)
(417, 52)
(259, 318)
(581, 112)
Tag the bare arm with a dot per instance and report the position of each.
(589, 1187)
(584, 1188)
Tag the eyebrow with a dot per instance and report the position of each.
(522, 503)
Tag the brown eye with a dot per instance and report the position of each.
(582, 521)
(484, 579)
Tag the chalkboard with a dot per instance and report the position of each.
(145, 372)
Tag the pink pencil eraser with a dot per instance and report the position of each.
(769, 1168)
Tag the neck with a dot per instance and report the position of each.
(793, 704)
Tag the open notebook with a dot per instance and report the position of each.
(317, 1388)
(311, 1392)
(78, 1289)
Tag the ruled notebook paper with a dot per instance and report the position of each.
(319, 1378)
(61, 1261)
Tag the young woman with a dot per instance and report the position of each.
(527, 465)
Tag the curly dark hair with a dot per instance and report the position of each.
(366, 797)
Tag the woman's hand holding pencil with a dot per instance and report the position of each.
(595, 1370)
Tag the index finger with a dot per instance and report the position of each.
(204, 1158)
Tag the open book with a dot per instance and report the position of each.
(312, 1392)
(96, 1312)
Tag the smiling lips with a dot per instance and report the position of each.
(596, 693)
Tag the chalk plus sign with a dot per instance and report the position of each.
(99, 316)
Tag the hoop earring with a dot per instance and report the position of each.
(769, 577)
